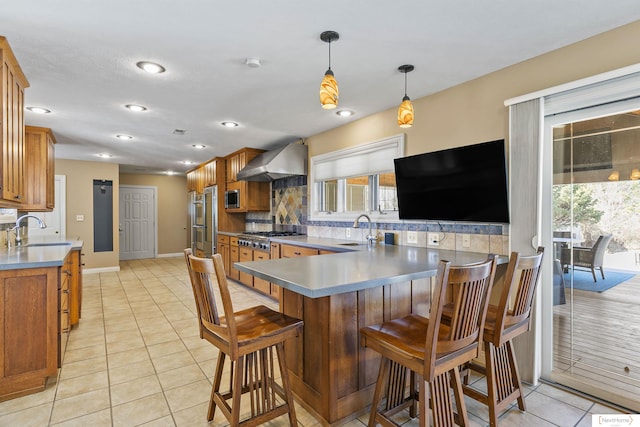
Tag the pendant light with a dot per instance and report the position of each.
(329, 85)
(405, 111)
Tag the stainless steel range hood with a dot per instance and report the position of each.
(275, 164)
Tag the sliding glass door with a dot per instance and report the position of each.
(591, 188)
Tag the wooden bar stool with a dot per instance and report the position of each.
(510, 318)
(248, 338)
(432, 349)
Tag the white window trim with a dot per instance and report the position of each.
(395, 143)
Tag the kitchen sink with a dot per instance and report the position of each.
(352, 244)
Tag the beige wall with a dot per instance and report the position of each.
(474, 112)
(80, 176)
(173, 209)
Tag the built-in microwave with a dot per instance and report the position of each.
(232, 199)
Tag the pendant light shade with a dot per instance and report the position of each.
(405, 111)
(329, 86)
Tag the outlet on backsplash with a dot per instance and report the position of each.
(347, 232)
(412, 237)
(433, 239)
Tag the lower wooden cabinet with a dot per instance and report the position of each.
(223, 250)
(29, 316)
(234, 256)
(37, 309)
(259, 284)
(246, 254)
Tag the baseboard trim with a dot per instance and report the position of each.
(100, 270)
(178, 254)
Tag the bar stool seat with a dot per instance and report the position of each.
(505, 321)
(248, 338)
(415, 346)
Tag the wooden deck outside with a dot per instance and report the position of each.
(603, 351)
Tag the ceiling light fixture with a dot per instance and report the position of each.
(39, 110)
(229, 124)
(329, 86)
(345, 113)
(405, 111)
(252, 62)
(187, 162)
(105, 155)
(136, 108)
(151, 67)
(124, 137)
(199, 146)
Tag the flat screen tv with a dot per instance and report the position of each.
(458, 184)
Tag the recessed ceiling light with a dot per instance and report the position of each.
(124, 137)
(170, 172)
(105, 155)
(187, 162)
(39, 110)
(136, 108)
(151, 67)
(229, 124)
(199, 146)
(345, 113)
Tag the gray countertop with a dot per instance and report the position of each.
(358, 268)
(38, 252)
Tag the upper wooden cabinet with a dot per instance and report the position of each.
(210, 173)
(12, 85)
(254, 196)
(39, 169)
(238, 160)
(195, 180)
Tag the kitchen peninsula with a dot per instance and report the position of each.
(41, 285)
(336, 295)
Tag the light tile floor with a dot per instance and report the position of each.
(136, 359)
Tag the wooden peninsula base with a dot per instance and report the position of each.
(331, 373)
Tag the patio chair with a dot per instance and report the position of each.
(585, 257)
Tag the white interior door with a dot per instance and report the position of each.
(55, 220)
(137, 222)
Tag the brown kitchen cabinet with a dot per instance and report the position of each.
(39, 170)
(246, 254)
(274, 253)
(254, 196)
(223, 250)
(234, 256)
(259, 284)
(75, 286)
(196, 179)
(209, 173)
(12, 86)
(29, 338)
(291, 251)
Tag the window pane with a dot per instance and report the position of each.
(388, 195)
(329, 196)
(357, 194)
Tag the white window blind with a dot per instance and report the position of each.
(367, 159)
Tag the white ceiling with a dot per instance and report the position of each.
(80, 56)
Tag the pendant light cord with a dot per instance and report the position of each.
(405, 83)
(329, 54)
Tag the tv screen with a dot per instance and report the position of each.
(458, 184)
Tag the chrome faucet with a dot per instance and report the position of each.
(16, 228)
(371, 239)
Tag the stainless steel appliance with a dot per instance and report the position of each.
(204, 222)
(197, 223)
(210, 220)
(232, 199)
(261, 240)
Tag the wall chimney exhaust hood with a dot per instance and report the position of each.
(286, 161)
